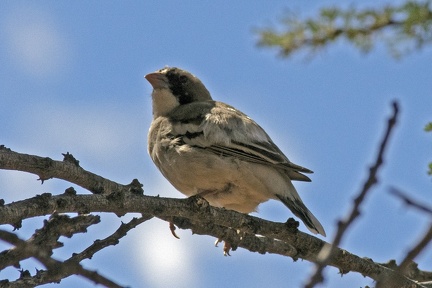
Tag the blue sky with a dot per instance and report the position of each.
(71, 79)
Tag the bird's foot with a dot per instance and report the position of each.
(226, 247)
(172, 229)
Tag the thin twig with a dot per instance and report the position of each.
(111, 240)
(404, 267)
(410, 202)
(328, 252)
(415, 251)
(56, 269)
(47, 237)
(44, 277)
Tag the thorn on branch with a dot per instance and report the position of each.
(135, 187)
(43, 178)
(343, 272)
(70, 191)
(292, 225)
(24, 274)
(44, 164)
(17, 225)
(70, 158)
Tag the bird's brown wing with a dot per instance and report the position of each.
(223, 130)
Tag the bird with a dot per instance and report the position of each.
(211, 149)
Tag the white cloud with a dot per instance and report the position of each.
(35, 43)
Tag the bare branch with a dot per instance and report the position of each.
(48, 276)
(415, 251)
(56, 269)
(194, 213)
(410, 202)
(327, 253)
(44, 277)
(236, 238)
(111, 240)
(47, 237)
(46, 168)
(407, 266)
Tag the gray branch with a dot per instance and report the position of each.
(343, 224)
(240, 230)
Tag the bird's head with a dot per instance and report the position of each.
(173, 87)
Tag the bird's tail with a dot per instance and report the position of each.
(296, 205)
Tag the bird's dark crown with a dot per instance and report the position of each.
(185, 86)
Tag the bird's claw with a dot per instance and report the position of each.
(226, 247)
(172, 229)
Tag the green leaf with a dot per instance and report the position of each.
(428, 127)
(403, 28)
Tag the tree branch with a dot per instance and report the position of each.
(410, 202)
(111, 240)
(47, 276)
(407, 266)
(47, 237)
(327, 253)
(56, 269)
(46, 168)
(193, 213)
(410, 23)
(196, 214)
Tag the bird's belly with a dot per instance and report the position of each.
(223, 181)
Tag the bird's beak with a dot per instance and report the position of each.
(157, 80)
